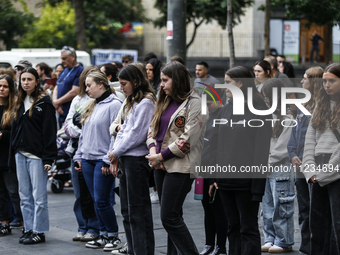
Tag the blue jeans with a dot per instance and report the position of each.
(33, 193)
(100, 187)
(316, 49)
(90, 225)
(136, 205)
(172, 189)
(278, 206)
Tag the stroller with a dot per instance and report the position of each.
(60, 171)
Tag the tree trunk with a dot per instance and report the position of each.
(267, 28)
(230, 34)
(329, 45)
(80, 24)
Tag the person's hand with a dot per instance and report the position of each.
(47, 168)
(114, 167)
(313, 179)
(59, 110)
(78, 168)
(111, 156)
(152, 160)
(211, 188)
(0, 134)
(105, 170)
(56, 104)
(118, 128)
(296, 162)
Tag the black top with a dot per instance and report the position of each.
(4, 142)
(36, 134)
(239, 146)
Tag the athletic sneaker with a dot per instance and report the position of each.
(121, 251)
(5, 230)
(100, 242)
(15, 224)
(35, 238)
(78, 236)
(88, 237)
(266, 246)
(25, 235)
(114, 243)
(154, 197)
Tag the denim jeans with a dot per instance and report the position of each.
(215, 220)
(172, 189)
(243, 233)
(100, 187)
(33, 193)
(278, 206)
(90, 225)
(316, 49)
(136, 205)
(302, 192)
(325, 216)
(9, 185)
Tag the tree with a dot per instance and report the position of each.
(52, 31)
(204, 11)
(267, 28)
(230, 34)
(13, 23)
(101, 20)
(321, 13)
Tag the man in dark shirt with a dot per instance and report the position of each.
(315, 38)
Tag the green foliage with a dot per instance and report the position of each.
(103, 18)
(206, 11)
(13, 23)
(54, 29)
(325, 12)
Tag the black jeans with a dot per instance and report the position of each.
(9, 183)
(136, 205)
(243, 233)
(172, 189)
(302, 191)
(215, 219)
(324, 215)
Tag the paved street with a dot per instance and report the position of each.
(63, 227)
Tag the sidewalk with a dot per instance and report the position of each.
(63, 227)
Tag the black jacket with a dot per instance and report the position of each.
(36, 134)
(4, 142)
(241, 146)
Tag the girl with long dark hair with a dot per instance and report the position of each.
(278, 207)
(8, 177)
(241, 145)
(320, 143)
(128, 151)
(33, 140)
(175, 141)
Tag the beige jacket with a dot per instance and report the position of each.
(184, 136)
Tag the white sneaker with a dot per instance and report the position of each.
(278, 249)
(266, 246)
(78, 236)
(154, 197)
(114, 243)
(100, 242)
(122, 251)
(88, 237)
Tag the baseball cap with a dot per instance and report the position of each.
(24, 64)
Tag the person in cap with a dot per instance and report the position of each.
(22, 64)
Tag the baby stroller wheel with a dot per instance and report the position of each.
(57, 186)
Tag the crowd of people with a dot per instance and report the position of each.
(143, 123)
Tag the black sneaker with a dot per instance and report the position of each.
(100, 242)
(5, 230)
(113, 243)
(35, 238)
(25, 235)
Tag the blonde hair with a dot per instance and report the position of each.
(98, 78)
(314, 75)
